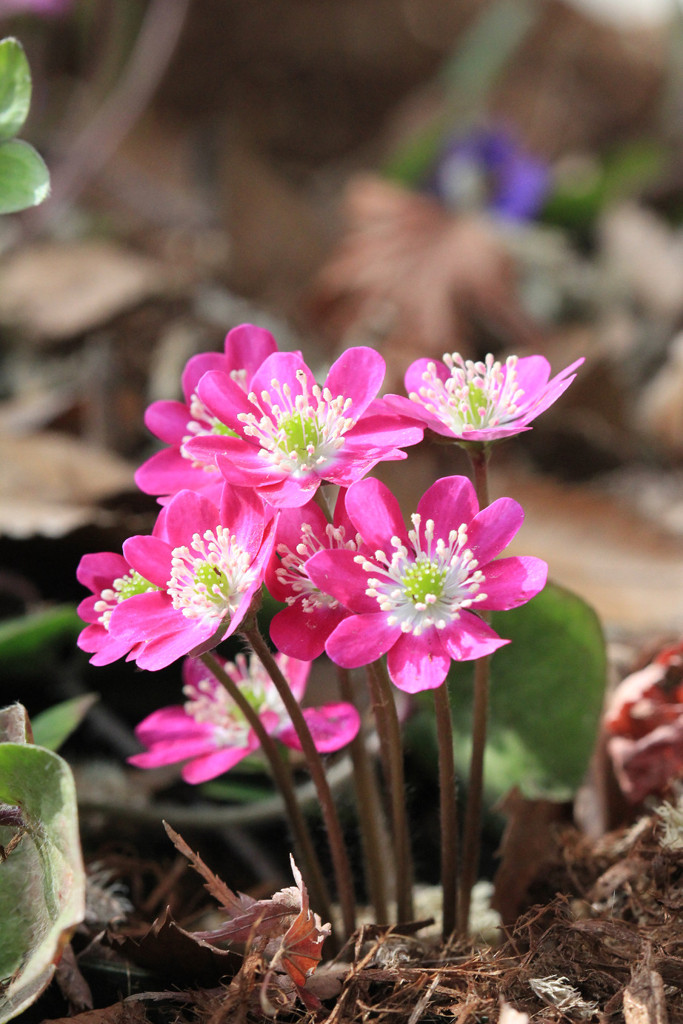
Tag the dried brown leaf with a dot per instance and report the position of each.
(235, 904)
(416, 274)
(171, 952)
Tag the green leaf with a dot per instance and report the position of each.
(547, 689)
(26, 641)
(24, 178)
(42, 881)
(15, 88)
(54, 725)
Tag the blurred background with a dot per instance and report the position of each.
(422, 176)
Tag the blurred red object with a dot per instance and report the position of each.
(644, 723)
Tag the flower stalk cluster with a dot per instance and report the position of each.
(252, 457)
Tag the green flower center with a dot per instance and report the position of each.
(423, 580)
(121, 589)
(213, 584)
(302, 434)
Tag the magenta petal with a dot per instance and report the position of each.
(111, 650)
(358, 375)
(376, 514)
(449, 502)
(247, 346)
(413, 377)
(296, 671)
(167, 472)
(469, 638)
(151, 557)
(224, 398)
(187, 514)
(242, 512)
(197, 366)
(493, 529)
(215, 763)
(532, 375)
(170, 752)
(97, 571)
(332, 727)
(171, 722)
(303, 635)
(360, 639)
(336, 572)
(168, 421)
(285, 368)
(417, 663)
(157, 654)
(511, 582)
(144, 617)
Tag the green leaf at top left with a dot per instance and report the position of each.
(24, 178)
(15, 88)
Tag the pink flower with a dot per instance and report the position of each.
(293, 434)
(206, 564)
(111, 580)
(483, 401)
(415, 598)
(175, 423)
(302, 628)
(212, 732)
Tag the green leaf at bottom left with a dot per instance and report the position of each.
(42, 880)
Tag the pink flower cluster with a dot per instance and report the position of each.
(239, 483)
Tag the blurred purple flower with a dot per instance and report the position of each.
(487, 168)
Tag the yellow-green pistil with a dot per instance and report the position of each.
(427, 584)
(121, 589)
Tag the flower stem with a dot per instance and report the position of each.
(310, 865)
(389, 730)
(342, 870)
(448, 810)
(376, 851)
(471, 844)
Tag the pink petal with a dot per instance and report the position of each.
(532, 373)
(469, 638)
(168, 421)
(511, 582)
(302, 635)
(247, 346)
(97, 571)
(167, 472)
(144, 617)
(376, 514)
(332, 727)
(187, 514)
(296, 671)
(417, 663)
(170, 723)
(449, 502)
(358, 375)
(159, 653)
(493, 529)
(197, 366)
(413, 377)
(337, 573)
(224, 398)
(216, 763)
(360, 639)
(151, 557)
(242, 511)
(171, 752)
(286, 368)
